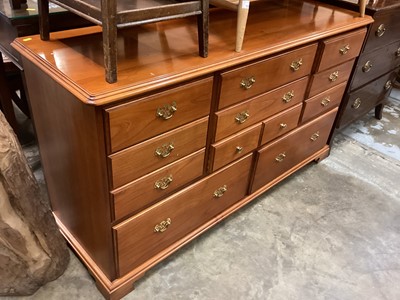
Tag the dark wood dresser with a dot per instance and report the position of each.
(378, 63)
(138, 168)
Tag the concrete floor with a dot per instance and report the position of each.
(330, 231)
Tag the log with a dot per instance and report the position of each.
(32, 250)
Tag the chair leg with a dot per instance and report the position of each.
(44, 29)
(242, 14)
(109, 11)
(362, 4)
(202, 29)
(5, 99)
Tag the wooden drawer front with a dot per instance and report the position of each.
(330, 78)
(374, 64)
(259, 108)
(136, 161)
(282, 154)
(235, 146)
(280, 124)
(143, 192)
(137, 121)
(137, 238)
(237, 85)
(323, 102)
(361, 101)
(341, 48)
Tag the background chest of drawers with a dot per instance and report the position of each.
(378, 63)
(137, 169)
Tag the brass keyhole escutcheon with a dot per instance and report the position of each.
(242, 117)
(356, 104)
(334, 76)
(288, 96)
(325, 101)
(314, 136)
(381, 30)
(344, 49)
(239, 149)
(165, 150)
(220, 191)
(367, 67)
(160, 228)
(167, 111)
(388, 85)
(296, 64)
(282, 125)
(280, 157)
(163, 183)
(247, 83)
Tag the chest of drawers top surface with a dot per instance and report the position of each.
(158, 55)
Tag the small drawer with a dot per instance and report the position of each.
(284, 153)
(136, 121)
(143, 192)
(342, 48)
(248, 81)
(330, 78)
(280, 124)
(233, 147)
(138, 160)
(323, 102)
(376, 63)
(238, 117)
(173, 220)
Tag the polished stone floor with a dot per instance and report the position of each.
(330, 231)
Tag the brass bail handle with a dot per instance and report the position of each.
(247, 83)
(280, 157)
(357, 103)
(388, 85)
(314, 136)
(367, 67)
(162, 226)
(344, 49)
(334, 76)
(220, 191)
(296, 64)
(381, 30)
(242, 117)
(325, 101)
(167, 111)
(288, 96)
(163, 183)
(165, 150)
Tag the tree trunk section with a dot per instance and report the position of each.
(32, 250)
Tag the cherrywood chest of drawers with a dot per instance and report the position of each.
(137, 169)
(378, 63)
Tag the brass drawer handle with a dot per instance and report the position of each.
(334, 76)
(247, 83)
(388, 85)
(381, 30)
(242, 117)
(356, 104)
(325, 101)
(296, 64)
(288, 96)
(239, 149)
(163, 183)
(160, 228)
(397, 53)
(344, 49)
(280, 157)
(220, 191)
(165, 150)
(314, 136)
(167, 111)
(367, 67)
(282, 125)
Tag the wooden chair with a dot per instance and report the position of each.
(114, 14)
(242, 8)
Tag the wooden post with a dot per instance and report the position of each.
(32, 250)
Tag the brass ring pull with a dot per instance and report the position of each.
(280, 157)
(296, 64)
(167, 111)
(333, 76)
(314, 136)
(247, 83)
(160, 228)
(220, 191)
(242, 117)
(165, 150)
(397, 53)
(282, 125)
(239, 149)
(288, 96)
(163, 183)
(356, 104)
(367, 67)
(380, 31)
(325, 101)
(388, 85)
(344, 49)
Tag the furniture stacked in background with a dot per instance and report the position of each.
(138, 168)
(378, 65)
